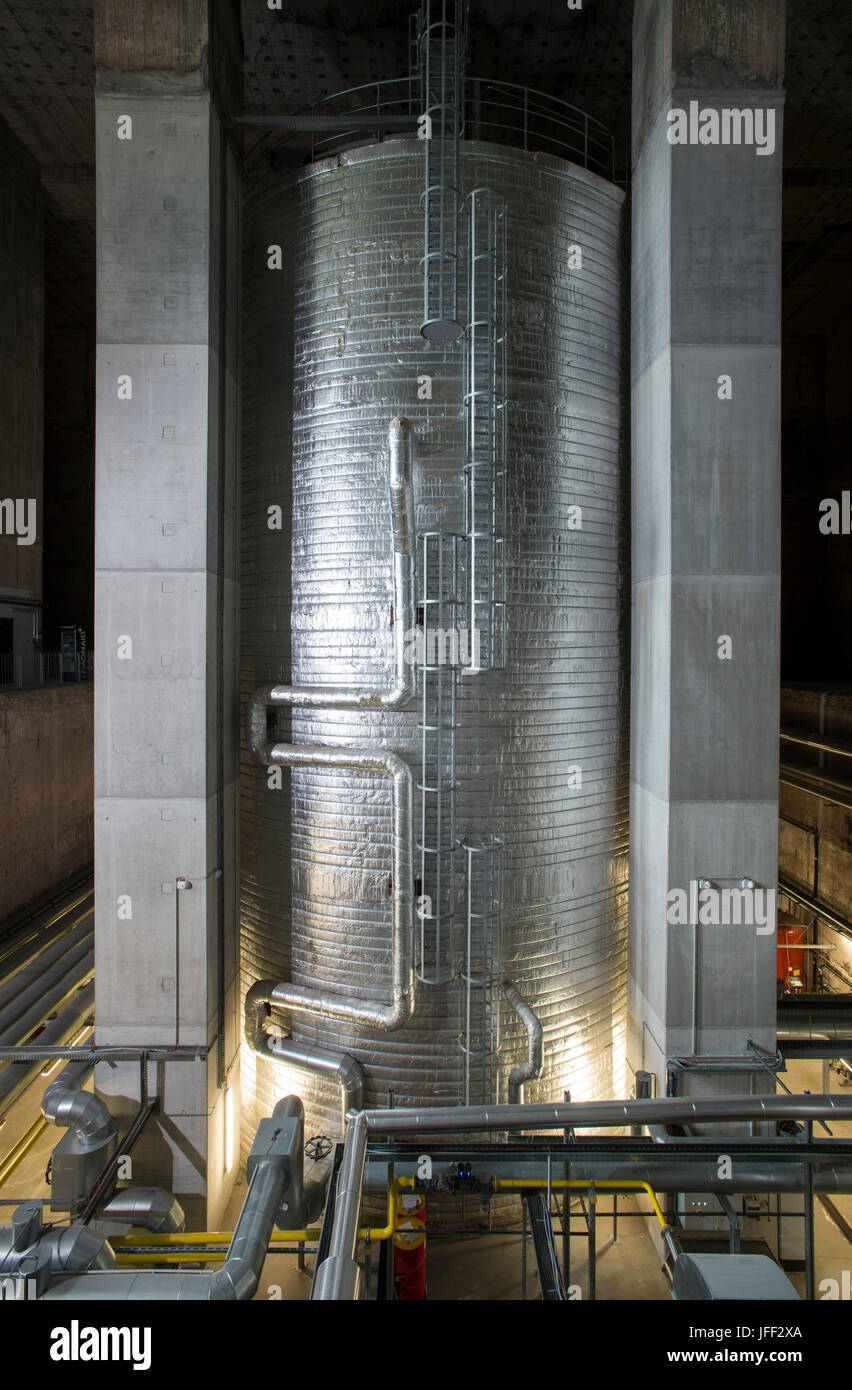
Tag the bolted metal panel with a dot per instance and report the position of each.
(333, 353)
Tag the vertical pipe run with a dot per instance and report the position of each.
(593, 1253)
(808, 1190)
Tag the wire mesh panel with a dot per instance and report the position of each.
(482, 969)
(441, 55)
(485, 424)
(439, 654)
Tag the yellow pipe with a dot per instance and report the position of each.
(223, 1239)
(604, 1185)
(20, 1150)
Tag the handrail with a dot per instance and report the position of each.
(589, 142)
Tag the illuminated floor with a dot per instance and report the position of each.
(489, 1268)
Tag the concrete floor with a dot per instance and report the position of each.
(488, 1267)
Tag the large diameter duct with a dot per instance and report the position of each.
(72, 1250)
(334, 355)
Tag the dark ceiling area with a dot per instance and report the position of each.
(307, 51)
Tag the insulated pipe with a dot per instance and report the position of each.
(305, 1196)
(341, 1281)
(815, 1029)
(369, 1013)
(67, 976)
(339, 1277)
(831, 789)
(34, 980)
(397, 696)
(827, 1016)
(151, 1208)
(345, 1070)
(609, 1113)
(73, 1250)
(840, 750)
(676, 1175)
(64, 1103)
(127, 1285)
(19, 1075)
(239, 1276)
(530, 1069)
(17, 957)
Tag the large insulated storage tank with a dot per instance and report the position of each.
(536, 883)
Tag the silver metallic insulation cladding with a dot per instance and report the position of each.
(333, 353)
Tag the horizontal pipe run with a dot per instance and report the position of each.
(34, 1052)
(18, 955)
(126, 1285)
(826, 788)
(338, 1277)
(328, 124)
(18, 1077)
(80, 969)
(66, 1249)
(665, 1175)
(840, 750)
(607, 1114)
(152, 1208)
(33, 998)
(570, 1184)
(343, 1068)
(194, 1244)
(695, 1177)
(817, 1049)
(310, 1057)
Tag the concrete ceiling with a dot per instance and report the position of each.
(309, 50)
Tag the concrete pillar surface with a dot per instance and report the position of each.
(167, 737)
(706, 526)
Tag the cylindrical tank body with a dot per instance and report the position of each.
(333, 354)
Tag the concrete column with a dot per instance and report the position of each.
(706, 262)
(21, 393)
(166, 721)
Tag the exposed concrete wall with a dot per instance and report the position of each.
(706, 522)
(166, 36)
(69, 481)
(46, 808)
(21, 354)
(167, 726)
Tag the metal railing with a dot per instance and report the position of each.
(501, 112)
(438, 611)
(31, 670)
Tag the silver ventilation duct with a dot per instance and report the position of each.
(519, 832)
